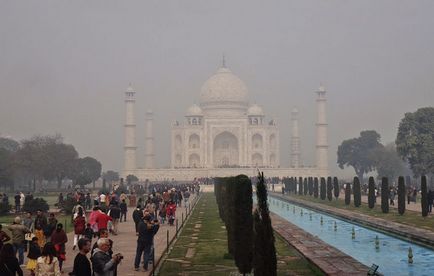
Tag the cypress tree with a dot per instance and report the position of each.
(315, 187)
(310, 185)
(347, 194)
(357, 192)
(305, 186)
(264, 253)
(385, 195)
(243, 228)
(424, 196)
(230, 222)
(295, 185)
(329, 189)
(371, 192)
(336, 188)
(323, 188)
(401, 195)
(300, 185)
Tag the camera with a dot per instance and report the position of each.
(120, 256)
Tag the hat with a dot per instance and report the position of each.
(17, 220)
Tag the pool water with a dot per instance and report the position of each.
(391, 257)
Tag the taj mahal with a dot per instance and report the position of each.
(224, 135)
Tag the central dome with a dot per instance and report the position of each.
(223, 88)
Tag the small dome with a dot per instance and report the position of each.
(294, 110)
(255, 110)
(223, 86)
(194, 110)
(130, 88)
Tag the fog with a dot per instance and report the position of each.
(64, 66)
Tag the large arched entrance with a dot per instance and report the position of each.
(225, 150)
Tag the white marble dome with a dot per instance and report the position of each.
(194, 110)
(255, 110)
(223, 87)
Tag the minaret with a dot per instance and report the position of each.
(149, 142)
(295, 141)
(130, 130)
(321, 130)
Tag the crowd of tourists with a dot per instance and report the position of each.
(43, 238)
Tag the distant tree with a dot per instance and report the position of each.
(8, 144)
(264, 253)
(371, 192)
(315, 187)
(424, 196)
(357, 192)
(336, 188)
(300, 185)
(131, 178)
(322, 190)
(329, 189)
(415, 140)
(388, 162)
(310, 185)
(347, 194)
(385, 195)
(111, 176)
(60, 159)
(401, 195)
(6, 168)
(359, 152)
(86, 170)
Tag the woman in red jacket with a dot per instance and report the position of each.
(59, 238)
(170, 212)
(79, 226)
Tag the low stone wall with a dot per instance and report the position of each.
(328, 259)
(422, 237)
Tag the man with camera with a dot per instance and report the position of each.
(147, 228)
(102, 263)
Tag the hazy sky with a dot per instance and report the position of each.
(64, 66)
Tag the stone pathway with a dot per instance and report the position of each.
(327, 258)
(125, 243)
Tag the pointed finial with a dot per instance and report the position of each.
(223, 61)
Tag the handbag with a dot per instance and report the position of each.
(29, 236)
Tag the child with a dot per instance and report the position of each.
(33, 255)
(88, 232)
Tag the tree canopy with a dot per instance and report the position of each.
(415, 140)
(359, 152)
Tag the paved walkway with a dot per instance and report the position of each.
(125, 243)
(412, 206)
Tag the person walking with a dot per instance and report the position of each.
(17, 198)
(18, 232)
(430, 200)
(103, 264)
(9, 265)
(92, 219)
(59, 239)
(124, 210)
(81, 262)
(115, 214)
(88, 232)
(392, 196)
(33, 255)
(145, 241)
(102, 219)
(137, 216)
(29, 223)
(48, 264)
(40, 225)
(79, 226)
(51, 226)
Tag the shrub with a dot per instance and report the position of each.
(385, 195)
(336, 188)
(323, 188)
(401, 195)
(424, 196)
(310, 185)
(315, 187)
(35, 205)
(5, 208)
(329, 189)
(68, 205)
(357, 192)
(371, 192)
(347, 194)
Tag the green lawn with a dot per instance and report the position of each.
(211, 247)
(411, 218)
